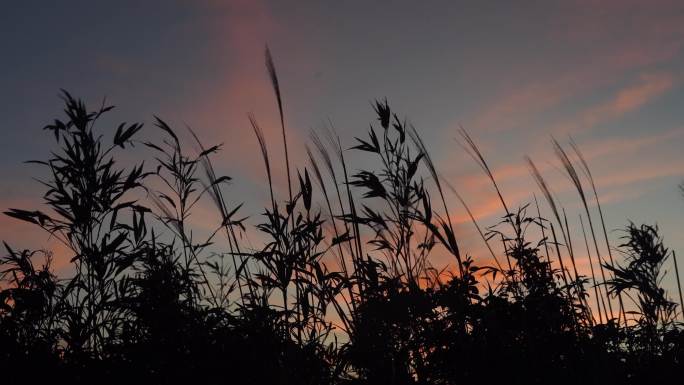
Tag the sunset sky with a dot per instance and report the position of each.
(608, 73)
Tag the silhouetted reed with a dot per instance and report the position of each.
(342, 290)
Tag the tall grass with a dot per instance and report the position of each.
(342, 290)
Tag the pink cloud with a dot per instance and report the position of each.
(243, 29)
(599, 44)
(628, 99)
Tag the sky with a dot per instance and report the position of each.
(609, 74)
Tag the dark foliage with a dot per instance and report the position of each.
(342, 291)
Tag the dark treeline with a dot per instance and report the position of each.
(342, 291)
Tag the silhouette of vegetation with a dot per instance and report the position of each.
(342, 290)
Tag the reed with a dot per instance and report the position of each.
(342, 288)
(679, 284)
(574, 178)
(587, 172)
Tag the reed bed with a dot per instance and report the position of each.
(342, 290)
